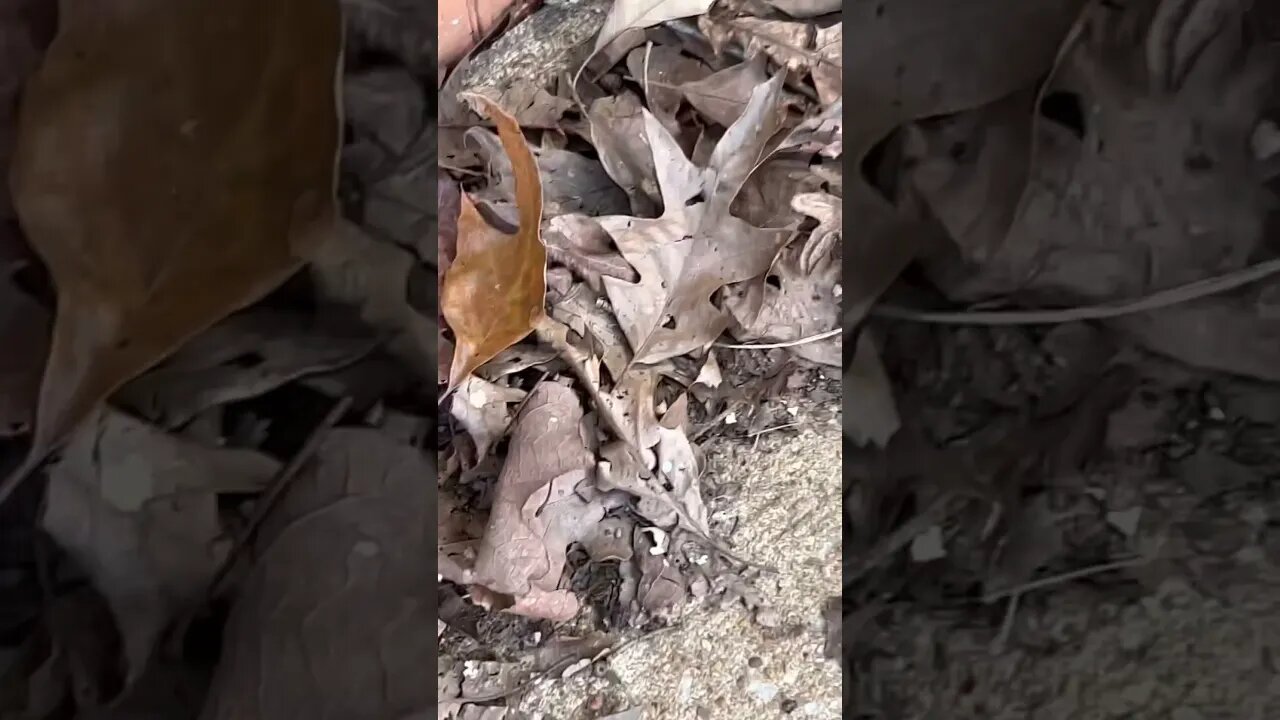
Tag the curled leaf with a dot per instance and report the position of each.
(493, 292)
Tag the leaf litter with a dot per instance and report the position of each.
(578, 500)
(1061, 284)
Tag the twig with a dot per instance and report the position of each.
(790, 343)
(1065, 578)
(559, 667)
(784, 426)
(1155, 301)
(283, 479)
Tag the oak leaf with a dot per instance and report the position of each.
(165, 191)
(494, 290)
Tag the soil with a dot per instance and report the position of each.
(1123, 562)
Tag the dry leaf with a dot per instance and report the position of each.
(618, 135)
(586, 313)
(660, 71)
(688, 254)
(196, 203)
(571, 183)
(398, 28)
(494, 291)
(378, 278)
(723, 96)
(138, 509)
(536, 512)
(917, 58)
(870, 413)
(341, 565)
(244, 356)
(806, 8)
(580, 244)
(480, 407)
(627, 14)
(803, 303)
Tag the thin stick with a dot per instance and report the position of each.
(1066, 577)
(560, 667)
(790, 343)
(1155, 301)
(775, 428)
(283, 479)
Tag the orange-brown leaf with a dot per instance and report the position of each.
(175, 162)
(494, 291)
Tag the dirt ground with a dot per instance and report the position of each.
(1133, 576)
(728, 663)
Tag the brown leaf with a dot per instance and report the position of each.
(138, 510)
(536, 512)
(661, 71)
(688, 254)
(494, 291)
(341, 565)
(26, 26)
(580, 244)
(618, 135)
(164, 191)
(583, 310)
(244, 356)
(723, 96)
(571, 183)
(804, 303)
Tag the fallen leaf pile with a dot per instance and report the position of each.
(1063, 238)
(685, 197)
(205, 266)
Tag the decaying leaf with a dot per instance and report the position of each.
(341, 565)
(537, 512)
(494, 291)
(196, 203)
(138, 509)
(803, 303)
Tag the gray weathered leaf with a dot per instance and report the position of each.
(342, 564)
